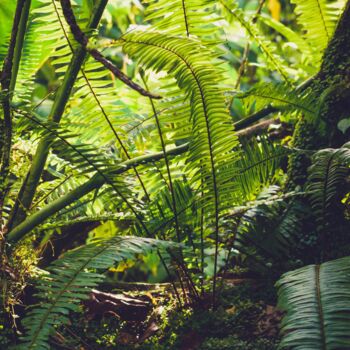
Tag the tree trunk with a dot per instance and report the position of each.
(332, 85)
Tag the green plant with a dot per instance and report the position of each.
(71, 279)
(136, 127)
(315, 299)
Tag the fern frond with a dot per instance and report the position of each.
(89, 159)
(71, 279)
(273, 230)
(318, 18)
(316, 301)
(326, 179)
(211, 141)
(44, 38)
(181, 17)
(282, 96)
(259, 162)
(274, 61)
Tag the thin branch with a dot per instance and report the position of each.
(82, 39)
(94, 183)
(244, 60)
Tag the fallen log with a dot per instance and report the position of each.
(126, 308)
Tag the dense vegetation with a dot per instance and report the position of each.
(175, 174)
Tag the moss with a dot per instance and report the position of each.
(234, 343)
(234, 325)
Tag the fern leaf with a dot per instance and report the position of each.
(316, 301)
(181, 17)
(319, 18)
(282, 96)
(71, 279)
(212, 137)
(326, 179)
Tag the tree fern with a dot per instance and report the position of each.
(71, 279)
(316, 301)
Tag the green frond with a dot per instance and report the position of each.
(44, 38)
(316, 301)
(271, 229)
(87, 159)
(94, 103)
(283, 97)
(234, 13)
(212, 137)
(318, 18)
(326, 180)
(181, 17)
(70, 280)
(259, 162)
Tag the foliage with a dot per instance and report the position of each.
(70, 280)
(149, 120)
(315, 299)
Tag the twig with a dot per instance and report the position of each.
(244, 61)
(82, 39)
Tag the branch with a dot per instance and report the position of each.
(97, 181)
(30, 184)
(94, 183)
(82, 39)
(6, 82)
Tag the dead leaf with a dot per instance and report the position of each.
(275, 9)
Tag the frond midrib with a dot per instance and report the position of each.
(319, 306)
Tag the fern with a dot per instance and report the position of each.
(316, 301)
(274, 61)
(181, 17)
(326, 179)
(258, 164)
(41, 42)
(283, 97)
(273, 231)
(71, 279)
(318, 18)
(211, 142)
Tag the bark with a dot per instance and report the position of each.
(332, 85)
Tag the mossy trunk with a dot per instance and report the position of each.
(332, 85)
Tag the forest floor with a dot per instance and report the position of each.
(146, 318)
